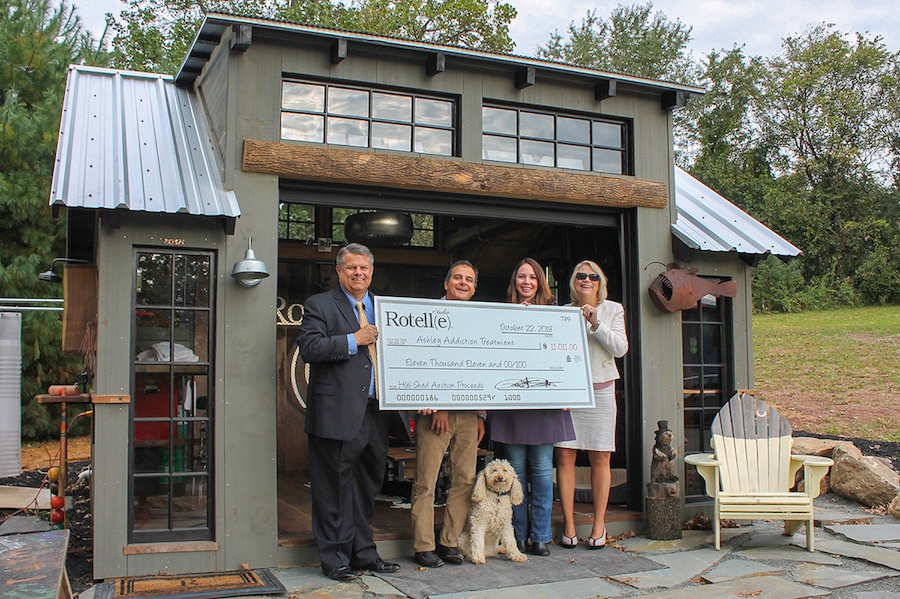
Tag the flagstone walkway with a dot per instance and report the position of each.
(857, 557)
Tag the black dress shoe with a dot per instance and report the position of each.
(542, 549)
(523, 547)
(428, 559)
(380, 566)
(451, 555)
(342, 574)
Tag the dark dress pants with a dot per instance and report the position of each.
(345, 477)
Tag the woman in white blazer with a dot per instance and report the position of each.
(595, 428)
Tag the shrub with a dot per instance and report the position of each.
(878, 276)
(827, 293)
(776, 286)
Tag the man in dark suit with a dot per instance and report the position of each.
(348, 435)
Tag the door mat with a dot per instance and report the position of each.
(498, 572)
(193, 586)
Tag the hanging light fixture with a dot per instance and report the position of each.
(250, 271)
(381, 228)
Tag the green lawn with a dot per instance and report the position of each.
(835, 372)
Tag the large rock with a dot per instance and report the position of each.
(863, 479)
(894, 508)
(818, 447)
(813, 446)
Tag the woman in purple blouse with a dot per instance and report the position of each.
(526, 437)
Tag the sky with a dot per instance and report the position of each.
(758, 25)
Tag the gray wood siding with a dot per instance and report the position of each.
(473, 86)
(114, 353)
(212, 88)
(246, 430)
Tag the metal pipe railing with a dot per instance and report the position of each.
(16, 304)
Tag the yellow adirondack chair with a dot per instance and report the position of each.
(752, 470)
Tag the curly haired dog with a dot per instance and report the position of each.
(489, 528)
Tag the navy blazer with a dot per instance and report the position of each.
(338, 391)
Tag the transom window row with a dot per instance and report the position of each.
(298, 222)
(325, 113)
(411, 122)
(557, 140)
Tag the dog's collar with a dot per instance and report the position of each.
(504, 493)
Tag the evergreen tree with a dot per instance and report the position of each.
(37, 43)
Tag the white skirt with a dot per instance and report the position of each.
(595, 428)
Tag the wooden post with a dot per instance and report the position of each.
(62, 400)
(63, 459)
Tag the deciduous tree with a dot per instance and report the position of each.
(832, 134)
(477, 24)
(153, 35)
(633, 40)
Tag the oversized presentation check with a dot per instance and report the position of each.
(457, 355)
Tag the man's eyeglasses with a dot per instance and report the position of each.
(580, 276)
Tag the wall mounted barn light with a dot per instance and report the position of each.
(250, 271)
(52, 277)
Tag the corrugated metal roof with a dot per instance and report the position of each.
(136, 141)
(706, 221)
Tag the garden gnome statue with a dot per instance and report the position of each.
(663, 503)
(662, 468)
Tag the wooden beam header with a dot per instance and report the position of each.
(329, 165)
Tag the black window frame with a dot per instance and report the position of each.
(370, 119)
(624, 149)
(170, 371)
(289, 221)
(702, 402)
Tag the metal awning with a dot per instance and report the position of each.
(708, 222)
(139, 142)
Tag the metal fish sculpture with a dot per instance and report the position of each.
(680, 289)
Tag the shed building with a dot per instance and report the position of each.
(294, 140)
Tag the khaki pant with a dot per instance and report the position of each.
(461, 441)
